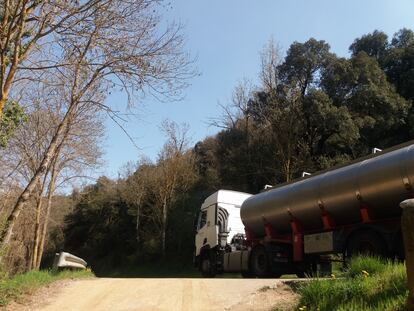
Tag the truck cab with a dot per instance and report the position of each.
(219, 227)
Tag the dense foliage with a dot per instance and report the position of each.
(11, 118)
(313, 110)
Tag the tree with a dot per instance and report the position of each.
(330, 132)
(28, 26)
(399, 62)
(395, 57)
(270, 61)
(277, 108)
(281, 116)
(137, 189)
(99, 228)
(403, 38)
(207, 163)
(303, 62)
(118, 43)
(360, 85)
(13, 116)
(374, 44)
(176, 172)
(77, 152)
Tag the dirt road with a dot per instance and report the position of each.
(165, 294)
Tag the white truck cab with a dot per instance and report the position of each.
(219, 225)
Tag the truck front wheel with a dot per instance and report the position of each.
(259, 262)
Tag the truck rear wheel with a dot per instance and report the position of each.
(259, 262)
(365, 243)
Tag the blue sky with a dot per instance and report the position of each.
(227, 36)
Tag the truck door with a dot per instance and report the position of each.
(206, 229)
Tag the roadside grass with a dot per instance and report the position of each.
(367, 284)
(13, 288)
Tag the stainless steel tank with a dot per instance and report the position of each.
(381, 181)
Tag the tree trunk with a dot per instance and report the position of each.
(36, 231)
(287, 170)
(39, 206)
(7, 232)
(51, 190)
(164, 225)
(407, 225)
(138, 215)
(2, 104)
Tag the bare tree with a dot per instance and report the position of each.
(118, 43)
(137, 189)
(284, 122)
(278, 108)
(77, 151)
(270, 60)
(27, 26)
(176, 171)
(238, 107)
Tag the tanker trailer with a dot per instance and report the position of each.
(293, 228)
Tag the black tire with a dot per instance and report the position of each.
(207, 266)
(259, 262)
(365, 243)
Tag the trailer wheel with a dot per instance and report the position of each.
(259, 262)
(208, 268)
(365, 243)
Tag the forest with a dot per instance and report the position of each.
(310, 110)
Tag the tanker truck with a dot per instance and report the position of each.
(299, 227)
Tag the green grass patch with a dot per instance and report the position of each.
(368, 284)
(15, 287)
